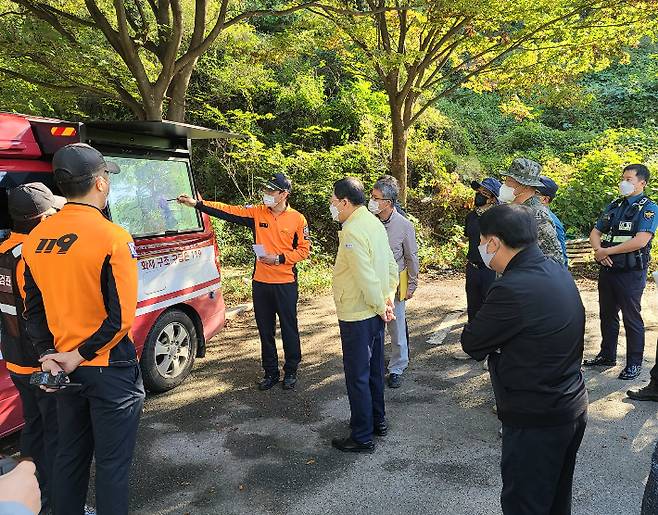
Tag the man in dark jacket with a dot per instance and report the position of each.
(478, 276)
(534, 362)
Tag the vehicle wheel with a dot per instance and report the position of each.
(169, 351)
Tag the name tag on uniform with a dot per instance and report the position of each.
(5, 281)
(263, 224)
(625, 226)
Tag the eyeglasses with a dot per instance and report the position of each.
(378, 199)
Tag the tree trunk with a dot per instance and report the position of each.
(178, 92)
(399, 153)
(153, 108)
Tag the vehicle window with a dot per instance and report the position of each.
(142, 196)
(10, 180)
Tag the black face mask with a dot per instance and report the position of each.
(480, 200)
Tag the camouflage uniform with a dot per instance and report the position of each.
(546, 235)
(528, 172)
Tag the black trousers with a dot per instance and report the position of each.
(100, 418)
(537, 467)
(271, 300)
(478, 281)
(363, 361)
(39, 435)
(622, 291)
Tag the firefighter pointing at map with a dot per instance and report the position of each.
(282, 241)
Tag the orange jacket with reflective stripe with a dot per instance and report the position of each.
(81, 286)
(22, 366)
(285, 235)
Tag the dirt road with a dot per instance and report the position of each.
(217, 446)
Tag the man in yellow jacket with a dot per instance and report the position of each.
(364, 283)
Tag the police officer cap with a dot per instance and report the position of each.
(548, 188)
(30, 201)
(79, 162)
(490, 183)
(525, 171)
(278, 182)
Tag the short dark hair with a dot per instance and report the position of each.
(77, 189)
(515, 225)
(641, 171)
(351, 189)
(25, 226)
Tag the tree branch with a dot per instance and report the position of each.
(430, 56)
(42, 13)
(221, 23)
(402, 37)
(37, 82)
(171, 49)
(483, 67)
(122, 95)
(53, 11)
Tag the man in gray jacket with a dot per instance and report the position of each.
(402, 240)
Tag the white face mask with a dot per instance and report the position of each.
(626, 188)
(486, 257)
(373, 206)
(269, 200)
(334, 212)
(506, 194)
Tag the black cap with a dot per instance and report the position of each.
(78, 162)
(278, 182)
(30, 201)
(549, 187)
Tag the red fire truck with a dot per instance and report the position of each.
(180, 304)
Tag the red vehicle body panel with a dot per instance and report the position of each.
(20, 151)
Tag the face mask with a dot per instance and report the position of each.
(480, 200)
(334, 212)
(506, 194)
(373, 207)
(486, 257)
(626, 188)
(269, 200)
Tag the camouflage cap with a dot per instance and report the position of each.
(525, 171)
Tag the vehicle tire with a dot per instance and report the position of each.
(169, 351)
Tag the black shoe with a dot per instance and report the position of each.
(648, 393)
(599, 361)
(267, 382)
(630, 372)
(394, 380)
(381, 429)
(289, 381)
(349, 445)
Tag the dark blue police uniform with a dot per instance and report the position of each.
(621, 286)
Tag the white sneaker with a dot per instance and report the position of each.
(485, 364)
